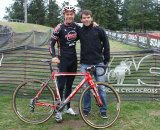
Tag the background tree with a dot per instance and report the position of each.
(130, 15)
(157, 15)
(104, 12)
(118, 7)
(125, 15)
(15, 11)
(53, 14)
(37, 12)
(138, 14)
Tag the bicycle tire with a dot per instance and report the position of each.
(21, 102)
(94, 118)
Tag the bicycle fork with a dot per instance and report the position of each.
(95, 93)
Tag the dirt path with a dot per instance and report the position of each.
(155, 113)
(69, 125)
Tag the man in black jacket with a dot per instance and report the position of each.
(95, 50)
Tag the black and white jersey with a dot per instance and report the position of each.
(65, 36)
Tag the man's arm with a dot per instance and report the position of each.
(53, 41)
(106, 46)
(51, 46)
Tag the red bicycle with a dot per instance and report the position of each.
(35, 101)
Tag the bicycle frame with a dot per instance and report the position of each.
(87, 77)
(41, 102)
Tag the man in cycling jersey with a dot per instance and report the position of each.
(65, 35)
(95, 50)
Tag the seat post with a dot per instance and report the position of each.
(50, 66)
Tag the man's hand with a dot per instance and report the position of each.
(55, 60)
(95, 24)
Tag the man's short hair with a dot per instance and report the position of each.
(86, 12)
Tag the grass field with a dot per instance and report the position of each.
(120, 47)
(23, 27)
(133, 116)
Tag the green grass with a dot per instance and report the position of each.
(25, 27)
(133, 116)
(120, 47)
(117, 46)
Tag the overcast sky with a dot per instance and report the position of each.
(7, 3)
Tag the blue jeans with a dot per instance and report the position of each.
(101, 90)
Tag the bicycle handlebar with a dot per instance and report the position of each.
(46, 61)
(49, 62)
(94, 67)
(89, 69)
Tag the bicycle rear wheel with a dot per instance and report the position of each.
(23, 104)
(94, 118)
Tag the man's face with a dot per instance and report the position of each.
(86, 19)
(69, 17)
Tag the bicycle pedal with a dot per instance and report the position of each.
(32, 108)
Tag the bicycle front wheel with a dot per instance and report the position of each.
(91, 112)
(24, 105)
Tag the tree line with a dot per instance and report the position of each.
(126, 15)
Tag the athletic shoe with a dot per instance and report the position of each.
(85, 113)
(104, 115)
(71, 112)
(58, 117)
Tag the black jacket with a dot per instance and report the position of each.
(94, 45)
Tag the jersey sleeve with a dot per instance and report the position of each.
(106, 46)
(54, 38)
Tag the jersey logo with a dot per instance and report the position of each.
(72, 35)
